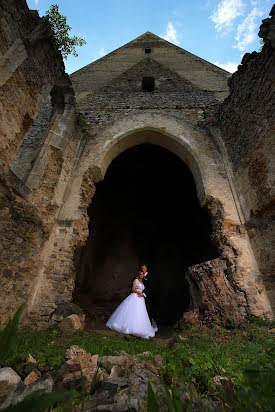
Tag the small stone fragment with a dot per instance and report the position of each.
(74, 351)
(220, 380)
(82, 362)
(182, 338)
(31, 377)
(109, 361)
(30, 359)
(116, 372)
(123, 353)
(145, 353)
(152, 368)
(158, 361)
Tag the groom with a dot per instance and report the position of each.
(147, 290)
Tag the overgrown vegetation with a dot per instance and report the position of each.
(245, 356)
(62, 40)
(81, 120)
(38, 400)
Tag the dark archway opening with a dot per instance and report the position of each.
(145, 210)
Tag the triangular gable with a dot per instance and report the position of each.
(199, 72)
(165, 79)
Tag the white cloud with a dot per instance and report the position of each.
(226, 12)
(230, 67)
(171, 33)
(36, 2)
(248, 29)
(102, 52)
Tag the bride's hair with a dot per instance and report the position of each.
(138, 275)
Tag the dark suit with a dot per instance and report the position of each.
(148, 292)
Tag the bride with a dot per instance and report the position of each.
(131, 316)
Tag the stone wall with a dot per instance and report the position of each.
(28, 225)
(48, 184)
(124, 96)
(199, 72)
(22, 162)
(29, 67)
(247, 121)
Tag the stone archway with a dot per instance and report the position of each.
(145, 210)
(238, 267)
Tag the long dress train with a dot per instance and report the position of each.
(131, 316)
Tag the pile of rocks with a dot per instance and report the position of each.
(110, 383)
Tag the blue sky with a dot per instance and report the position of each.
(219, 31)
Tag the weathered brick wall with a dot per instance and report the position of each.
(247, 121)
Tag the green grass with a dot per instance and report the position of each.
(204, 355)
(245, 355)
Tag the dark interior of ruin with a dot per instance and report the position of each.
(145, 210)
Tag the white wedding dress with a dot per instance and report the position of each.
(131, 316)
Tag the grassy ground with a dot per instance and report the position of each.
(192, 358)
(205, 353)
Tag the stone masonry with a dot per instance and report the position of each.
(52, 158)
(247, 123)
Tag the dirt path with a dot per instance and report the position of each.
(163, 336)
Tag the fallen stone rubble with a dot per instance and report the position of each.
(109, 383)
(113, 383)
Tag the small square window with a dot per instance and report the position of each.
(147, 51)
(148, 84)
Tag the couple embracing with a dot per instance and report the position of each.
(131, 316)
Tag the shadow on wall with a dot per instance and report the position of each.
(145, 210)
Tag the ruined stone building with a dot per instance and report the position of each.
(147, 154)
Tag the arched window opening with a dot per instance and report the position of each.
(148, 84)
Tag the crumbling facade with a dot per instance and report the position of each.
(146, 92)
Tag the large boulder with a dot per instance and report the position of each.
(71, 324)
(79, 368)
(84, 362)
(213, 297)
(21, 390)
(126, 363)
(126, 387)
(66, 309)
(8, 381)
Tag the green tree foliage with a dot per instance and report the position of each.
(62, 40)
